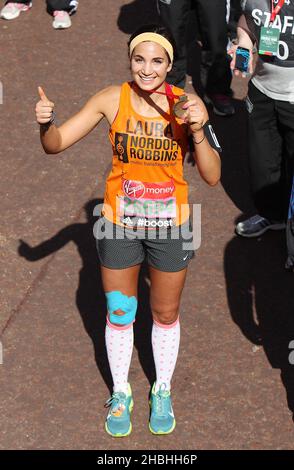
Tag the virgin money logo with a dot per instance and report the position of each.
(139, 189)
(159, 190)
(133, 188)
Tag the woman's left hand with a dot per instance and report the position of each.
(194, 115)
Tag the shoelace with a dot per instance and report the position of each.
(116, 399)
(255, 219)
(161, 405)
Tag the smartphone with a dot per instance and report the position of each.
(242, 59)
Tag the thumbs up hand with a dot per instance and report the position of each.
(44, 108)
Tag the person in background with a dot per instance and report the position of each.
(212, 17)
(270, 105)
(60, 10)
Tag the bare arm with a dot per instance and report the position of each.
(56, 139)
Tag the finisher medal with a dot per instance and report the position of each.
(178, 107)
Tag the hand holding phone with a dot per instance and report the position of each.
(242, 59)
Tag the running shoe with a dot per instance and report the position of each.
(257, 225)
(118, 421)
(61, 20)
(162, 419)
(12, 10)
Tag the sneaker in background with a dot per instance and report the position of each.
(61, 20)
(12, 10)
(257, 225)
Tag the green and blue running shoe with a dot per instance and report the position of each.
(162, 420)
(118, 421)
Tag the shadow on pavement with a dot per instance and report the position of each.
(259, 295)
(137, 13)
(90, 299)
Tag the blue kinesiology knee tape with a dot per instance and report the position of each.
(118, 301)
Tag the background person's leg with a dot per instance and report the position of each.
(213, 16)
(214, 34)
(290, 232)
(286, 121)
(285, 111)
(66, 5)
(174, 16)
(266, 164)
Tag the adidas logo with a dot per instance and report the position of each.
(127, 221)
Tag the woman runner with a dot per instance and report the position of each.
(145, 211)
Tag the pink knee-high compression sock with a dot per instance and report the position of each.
(119, 345)
(165, 345)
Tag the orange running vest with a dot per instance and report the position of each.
(145, 187)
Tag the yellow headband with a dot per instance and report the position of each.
(154, 37)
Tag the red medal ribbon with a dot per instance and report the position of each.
(276, 9)
(168, 92)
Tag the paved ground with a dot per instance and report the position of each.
(233, 386)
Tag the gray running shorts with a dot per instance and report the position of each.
(168, 250)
